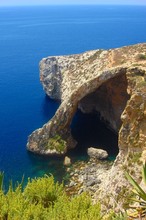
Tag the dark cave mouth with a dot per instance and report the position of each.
(90, 131)
(97, 120)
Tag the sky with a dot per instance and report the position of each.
(63, 2)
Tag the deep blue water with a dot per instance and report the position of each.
(27, 34)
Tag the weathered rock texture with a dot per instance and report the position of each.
(110, 82)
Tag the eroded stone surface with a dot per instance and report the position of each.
(87, 176)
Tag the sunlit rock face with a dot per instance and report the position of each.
(110, 82)
(99, 80)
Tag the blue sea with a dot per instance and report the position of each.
(27, 34)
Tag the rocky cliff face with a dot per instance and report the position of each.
(110, 82)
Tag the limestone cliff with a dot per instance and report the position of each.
(110, 82)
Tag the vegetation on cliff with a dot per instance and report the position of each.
(43, 199)
(139, 197)
(56, 144)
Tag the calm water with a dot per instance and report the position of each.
(27, 34)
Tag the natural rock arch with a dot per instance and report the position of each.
(74, 79)
(71, 78)
(60, 123)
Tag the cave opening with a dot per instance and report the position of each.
(90, 131)
(98, 117)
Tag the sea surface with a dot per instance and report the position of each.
(27, 34)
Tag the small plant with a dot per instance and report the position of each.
(140, 195)
(142, 84)
(142, 57)
(43, 190)
(113, 216)
(1, 180)
(134, 157)
(56, 143)
(43, 199)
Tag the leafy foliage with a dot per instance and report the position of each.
(1, 180)
(114, 216)
(56, 143)
(142, 56)
(43, 191)
(140, 195)
(43, 199)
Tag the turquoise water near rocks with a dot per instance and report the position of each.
(27, 34)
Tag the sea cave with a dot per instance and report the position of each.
(97, 120)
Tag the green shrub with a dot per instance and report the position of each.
(1, 180)
(56, 143)
(142, 56)
(43, 190)
(43, 199)
(141, 84)
(113, 216)
(140, 195)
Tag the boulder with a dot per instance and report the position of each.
(97, 153)
(67, 161)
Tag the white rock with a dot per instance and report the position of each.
(67, 161)
(97, 153)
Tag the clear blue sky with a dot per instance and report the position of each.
(61, 2)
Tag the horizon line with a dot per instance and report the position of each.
(72, 4)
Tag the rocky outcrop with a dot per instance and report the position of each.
(109, 82)
(51, 76)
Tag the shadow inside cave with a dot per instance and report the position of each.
(89, 131)
(98, 119)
